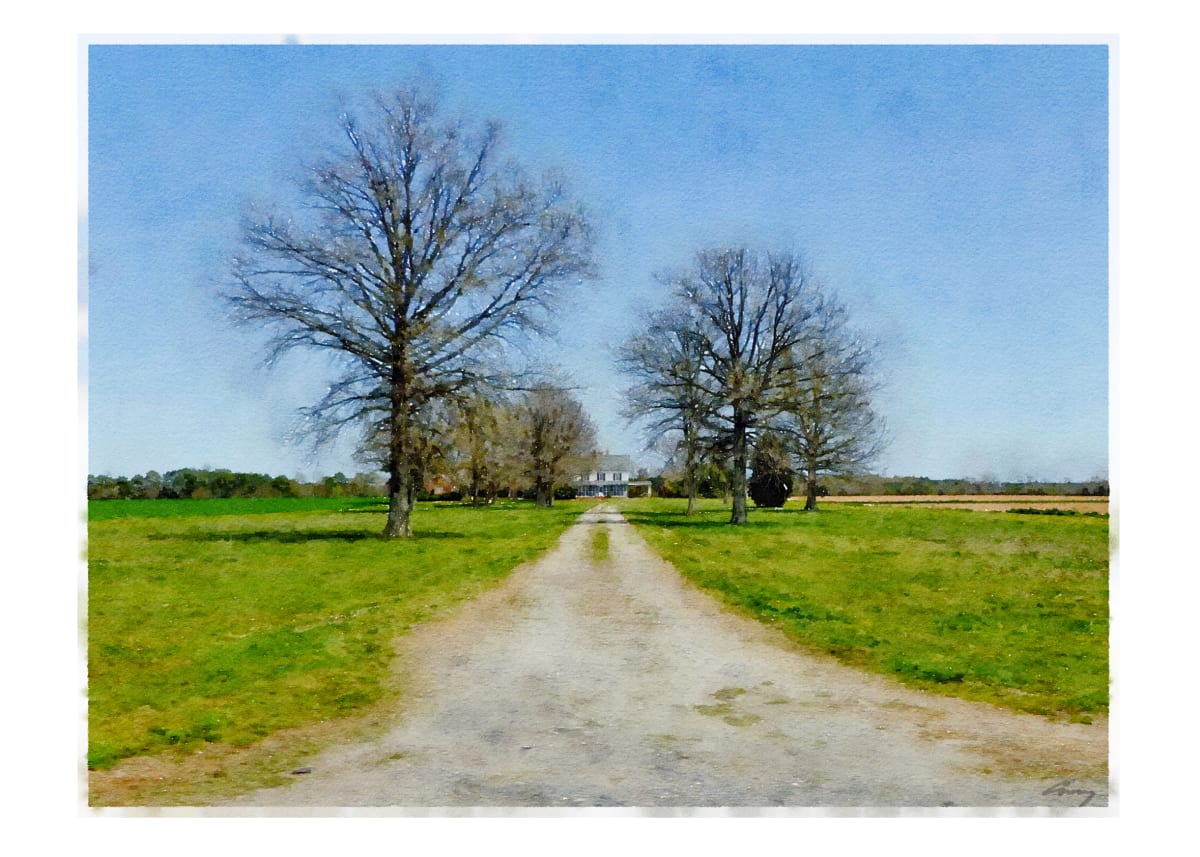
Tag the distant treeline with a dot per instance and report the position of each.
(192, 483)
(842, 486)
(197, 484)
(712, 481)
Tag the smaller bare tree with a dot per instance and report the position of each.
(475, 445)
(828, 420)
(551, 438)
(668, 395)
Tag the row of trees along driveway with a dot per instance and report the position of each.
(752, 348)
(419, 253)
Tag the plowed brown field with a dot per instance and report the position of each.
(982, 502)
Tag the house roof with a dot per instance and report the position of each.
(615, 462)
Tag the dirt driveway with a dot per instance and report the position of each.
(582, 684)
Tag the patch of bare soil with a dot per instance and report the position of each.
(210, 773)
(584, 684)
(982, 502)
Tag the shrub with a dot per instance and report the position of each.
(771, 484)
(430, 497)
(710, 481)
(664, 487)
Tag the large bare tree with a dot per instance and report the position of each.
(751, 311)
(417, 252)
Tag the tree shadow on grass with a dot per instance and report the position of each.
(301, 536)
(677, 520)
(716, 519)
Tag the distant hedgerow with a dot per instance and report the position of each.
(1031, 511)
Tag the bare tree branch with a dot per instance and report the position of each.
(414, 254)
(752, 310)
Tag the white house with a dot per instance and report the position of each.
(609, 479)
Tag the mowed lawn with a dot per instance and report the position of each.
(223, 621)
(1005, 608)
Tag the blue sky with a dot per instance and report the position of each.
(956, 197)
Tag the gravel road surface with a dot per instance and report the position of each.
(585, 684)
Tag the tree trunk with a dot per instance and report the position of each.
(414, 486)
(810, 484)
(810, 497)
(738, 480)
(402, 492)
(545, 494)
(691, 482)
(400, 504)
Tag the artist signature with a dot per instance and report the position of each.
(1064, 788)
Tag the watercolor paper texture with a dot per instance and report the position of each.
(955, 197)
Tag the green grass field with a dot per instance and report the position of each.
(224, 621)
(213, 624)
(1007, 609)
(107, 510)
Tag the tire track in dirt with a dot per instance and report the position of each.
(584, 684)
